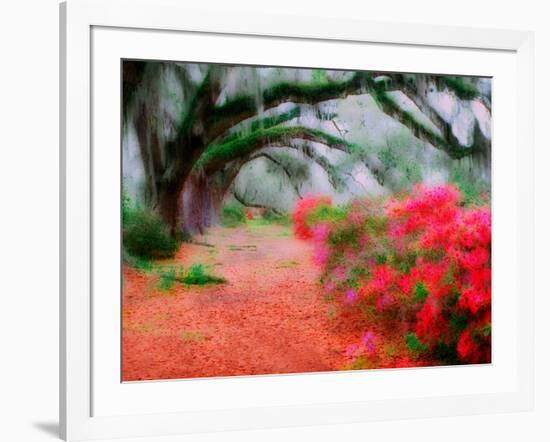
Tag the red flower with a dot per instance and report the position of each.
(410, 257)
(303, 210)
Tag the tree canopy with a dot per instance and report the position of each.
(198, 125)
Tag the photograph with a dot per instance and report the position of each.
(279, 220)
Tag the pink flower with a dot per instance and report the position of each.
(321, 255)
(353, 351)
(384, 302)
(341, 272)
(321, 232)
(369, 341)
(351, 296)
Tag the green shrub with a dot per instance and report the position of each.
(197, 275)
(126, 207)
(145, 235)
(414, 344)
(169, 277)
(143, 264)
(272, 217)
(233, 215)
(473, 189)
(326, 213)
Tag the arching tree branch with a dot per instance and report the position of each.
(279, 164)
(217, 155)
(240, 108)
(444, 139)
(246, 203)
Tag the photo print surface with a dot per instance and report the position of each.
(294, 220)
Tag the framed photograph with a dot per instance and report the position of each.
(282, 221)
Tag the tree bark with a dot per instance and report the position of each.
(170, 207)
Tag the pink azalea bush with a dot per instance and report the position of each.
(419, 264)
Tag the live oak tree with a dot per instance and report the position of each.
(194, 144)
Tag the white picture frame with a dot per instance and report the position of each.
(81, 344)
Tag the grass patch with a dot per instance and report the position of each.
(288, 264)
(193, 336)
(169, 277)
(391, 350)
(144, 234)
(361, 363)
(197, 275)
(143, 264)
(283, 219)
(233, 215)
(285, 234)
(474, 190)
(242, 248)
(142, 328)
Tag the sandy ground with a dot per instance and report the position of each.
(270, 317)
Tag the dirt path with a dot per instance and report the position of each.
(269, 318)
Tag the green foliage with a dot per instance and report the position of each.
(144, 234)
(348, 237)
(474, 190)
(197, 275)
(233, 215)
(414, 344)
(461, 87)
(420, 292)
(447, 354)
(413, 172)
(272, 217)
(404, 262)
(126, 207)
(143, 264)
(459, 322)
(169, 277)
(376, 224)
(325, 213)
(388, 158)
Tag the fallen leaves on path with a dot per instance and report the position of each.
(269, 318)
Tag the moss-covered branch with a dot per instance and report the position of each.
(217, 155)
(443, 140)
(333, 176)
(462, 88)
(243, 107)
(267, 123)
(247, 203)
